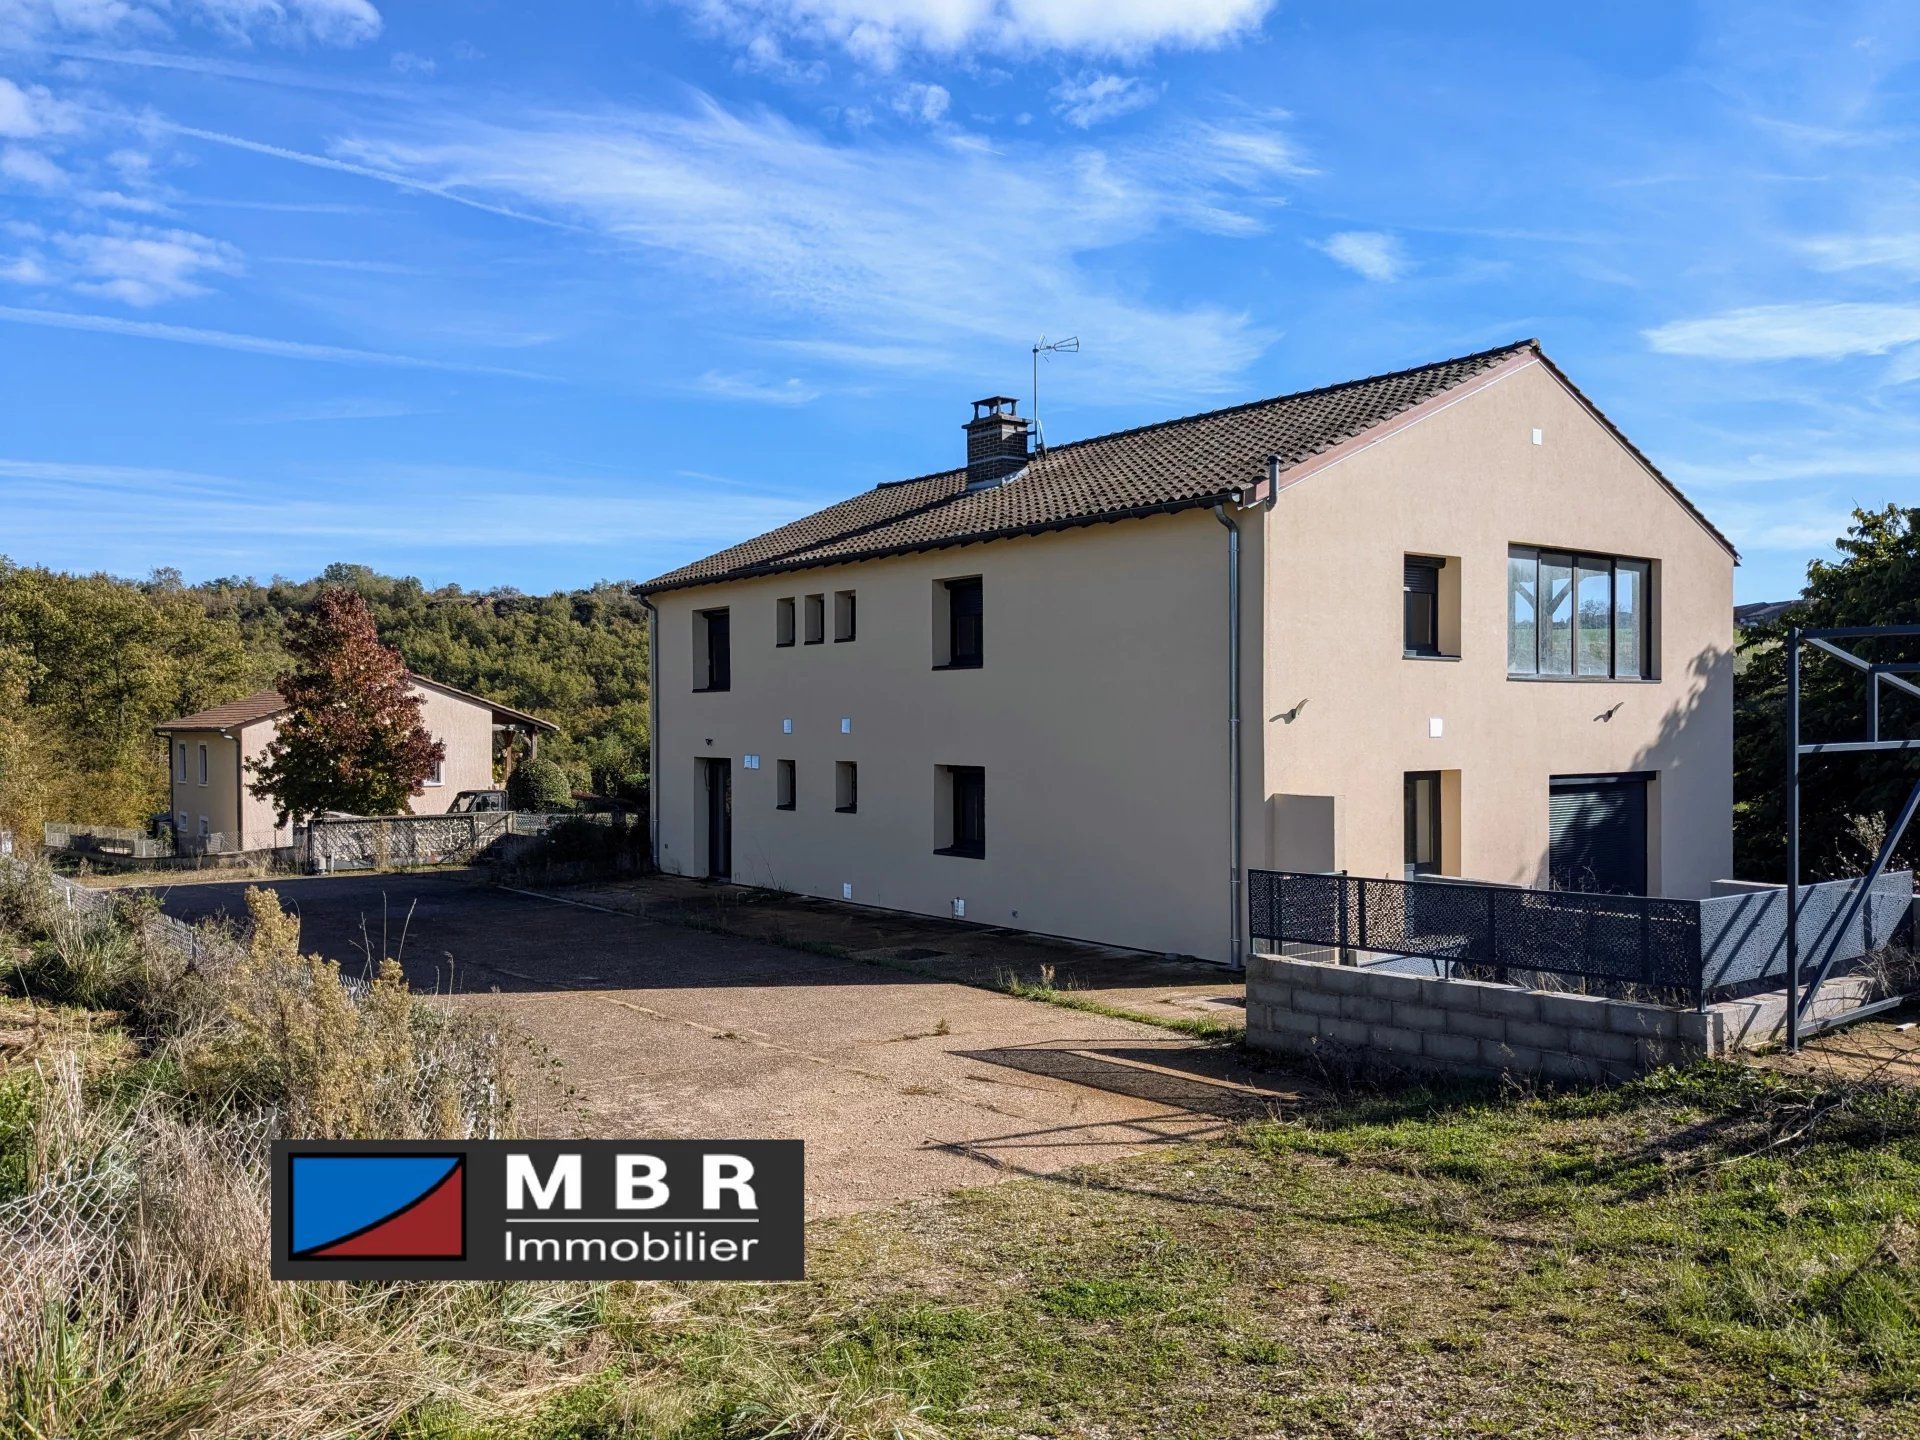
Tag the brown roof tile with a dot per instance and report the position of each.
(1171, 465)
(262, 705)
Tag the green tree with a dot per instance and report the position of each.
(351, 737)
(1843, 797)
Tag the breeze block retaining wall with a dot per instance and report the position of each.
(1353, 1013)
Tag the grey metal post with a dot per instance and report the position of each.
(1793, 838)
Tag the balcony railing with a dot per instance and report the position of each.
(1684, 951)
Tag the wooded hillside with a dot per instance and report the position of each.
(90, 664)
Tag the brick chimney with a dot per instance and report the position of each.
(996, 441)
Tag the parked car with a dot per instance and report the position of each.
(470, 802)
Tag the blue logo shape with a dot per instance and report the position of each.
(367, 1205)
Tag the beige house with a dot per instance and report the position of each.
(211, 755)
(1447, 621)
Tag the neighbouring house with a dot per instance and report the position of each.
(1447, 621)
(210, 754)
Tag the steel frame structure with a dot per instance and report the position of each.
(1800, 1003)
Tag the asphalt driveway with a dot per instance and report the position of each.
(903, 1086)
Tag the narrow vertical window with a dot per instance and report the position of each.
(966, 613)
(1593, 616)
(816, 619)
(1420, 606)
(203, 764)
(713, 650)
(1556, 615)
(965, 807)
(180, 765)
(846, 787)
(843, 616)
(783, 621)
(783, 787)
(1422, 805)
(1630, 648)
(1523, 625)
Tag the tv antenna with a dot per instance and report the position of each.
(1068, 346)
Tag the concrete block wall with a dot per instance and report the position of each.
(1309, 1007)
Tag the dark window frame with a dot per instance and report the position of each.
(784, 619)
(719, 674)
(1574, 562)
(966, 602)
(852, 616)
(1425, 645)
(814, 608)
(850, 771)
(967, 807)
(1436, 834)
(786, 776)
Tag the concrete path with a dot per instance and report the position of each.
(903, 1085)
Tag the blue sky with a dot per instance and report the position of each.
(505, 294)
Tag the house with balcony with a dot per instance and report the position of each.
(1445, 621)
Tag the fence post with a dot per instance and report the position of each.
(1646, 944)
(1493, 932)
(1340, 898)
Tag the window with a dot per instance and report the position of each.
(180, 768)
(962, 630)
(783, 788)
(964, 810)
(783, 621)
(1420, 607)
(205, 828)
(1422, 800)
(846, 787)
(842, 615)
(816, 619)
(438, 775)
(203, 764)
(712, 650)
(1577, 617)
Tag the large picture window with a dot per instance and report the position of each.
(1577, 617)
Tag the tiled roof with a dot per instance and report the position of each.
(259, 706)
(265, 704)
(1172, 465)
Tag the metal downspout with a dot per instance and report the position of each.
(1238, 959)
(653, 731)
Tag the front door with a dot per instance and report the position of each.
(719, 819)
(1422, 807)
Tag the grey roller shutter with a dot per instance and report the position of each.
(1598, 834)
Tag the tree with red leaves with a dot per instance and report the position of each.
(350, 738)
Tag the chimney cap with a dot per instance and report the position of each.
(992, 405)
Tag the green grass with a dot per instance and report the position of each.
(1710, 1252)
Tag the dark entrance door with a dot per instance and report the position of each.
(1598, 833)
(719, 819)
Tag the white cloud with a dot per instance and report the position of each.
(405, 62)
(1792, 332)
(289, 22)
(881, 32)
(27, 112)
(143, 266)
(30, 167)
(1367, 252)
(884, 243)
(1863, 252)
(925, 103)
(1091, 98)
(761, 392)
(246, 344)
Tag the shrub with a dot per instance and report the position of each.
(537, 784)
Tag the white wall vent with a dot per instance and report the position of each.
(959, 909)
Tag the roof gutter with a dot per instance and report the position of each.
(1237, 959)
(653, 730)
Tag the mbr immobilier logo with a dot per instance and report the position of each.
(538, 1209)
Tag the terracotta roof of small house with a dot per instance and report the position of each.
(1155, 469)
(265, 704)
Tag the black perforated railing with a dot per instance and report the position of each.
(1493, 931)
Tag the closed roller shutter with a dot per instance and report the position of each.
(1598, 834)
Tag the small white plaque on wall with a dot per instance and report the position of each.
(1436, 727)
(846, 890)
(846, 724)
(786, 727)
